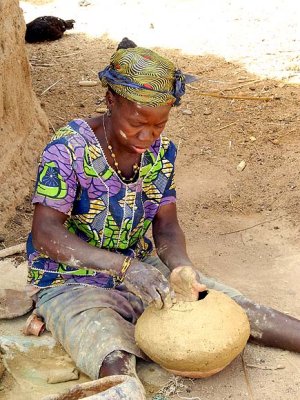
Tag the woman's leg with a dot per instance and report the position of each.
(269, 327)
(95, 326)
(118, 363)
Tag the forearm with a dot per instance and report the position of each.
(56, 242)
(170, 245)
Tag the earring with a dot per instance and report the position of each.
(108, 112)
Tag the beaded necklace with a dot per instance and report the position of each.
(135, 166)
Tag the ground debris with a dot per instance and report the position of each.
(63, 375)
(265, 367)
(174, 386)
(241, 166)
(88, 83)
(101, 110)
(187, 112)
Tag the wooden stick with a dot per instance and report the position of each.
(51, 86)
(191, 86)
(250, 391)
(52, 127)
(242, 85)
(265, 367)
(258, 153)
(252, 226)
(227, 96)
(224, 127)
(9, 251)
(68, 55)
(42, 65)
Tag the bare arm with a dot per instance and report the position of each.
(169, 238)
(51, 238)
(171, 247)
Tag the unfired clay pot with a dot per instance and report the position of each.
(194, 339)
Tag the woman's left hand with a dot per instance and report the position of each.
(185, 283)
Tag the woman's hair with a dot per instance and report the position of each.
(143, 76)
(109, 89)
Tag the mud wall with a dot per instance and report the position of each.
(23, 124)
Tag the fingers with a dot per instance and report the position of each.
(163, 297)
(186, 283)
(168, 302)
(157, 301)
(199, 287)
(151, 286)
(173, 296)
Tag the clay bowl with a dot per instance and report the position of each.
(194, 339)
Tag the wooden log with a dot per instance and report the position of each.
(9, 251)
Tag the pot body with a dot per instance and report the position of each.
(194, 339)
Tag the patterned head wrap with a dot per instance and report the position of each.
(143, 76)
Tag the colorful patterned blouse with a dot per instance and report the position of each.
(75, 178)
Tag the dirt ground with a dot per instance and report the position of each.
(242, 227)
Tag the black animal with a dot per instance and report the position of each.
(126, 44)
(47, 28)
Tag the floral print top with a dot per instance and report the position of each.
(75, 178)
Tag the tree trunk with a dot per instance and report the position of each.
(23, 124)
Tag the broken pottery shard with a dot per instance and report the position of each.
(63, 375)
(187, 112)
(14, 303)
(241, 166)
(194, 339)
(88, 83)
(34, 326)
(101, 110)
(107, 388)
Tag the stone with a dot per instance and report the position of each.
(108, 388)
(101, 110)
(241, 166)
(14, 303)
(187, 112)
(88, 83)
(194, 339)
(63, 375)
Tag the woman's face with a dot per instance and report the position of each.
(133, 126)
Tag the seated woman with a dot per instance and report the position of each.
(101, 184)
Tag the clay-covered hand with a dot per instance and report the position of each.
(185, 283)
(148, 283)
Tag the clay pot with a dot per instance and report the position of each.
(34, 326)
(194, 339)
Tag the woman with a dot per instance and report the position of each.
(101, 184)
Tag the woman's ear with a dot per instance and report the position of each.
(110, 100)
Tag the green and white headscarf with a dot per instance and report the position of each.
(145, 77)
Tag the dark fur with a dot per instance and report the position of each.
(126, 44)
(47, 28)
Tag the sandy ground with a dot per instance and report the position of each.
(241, 227)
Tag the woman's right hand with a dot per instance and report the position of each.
(148, 283)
